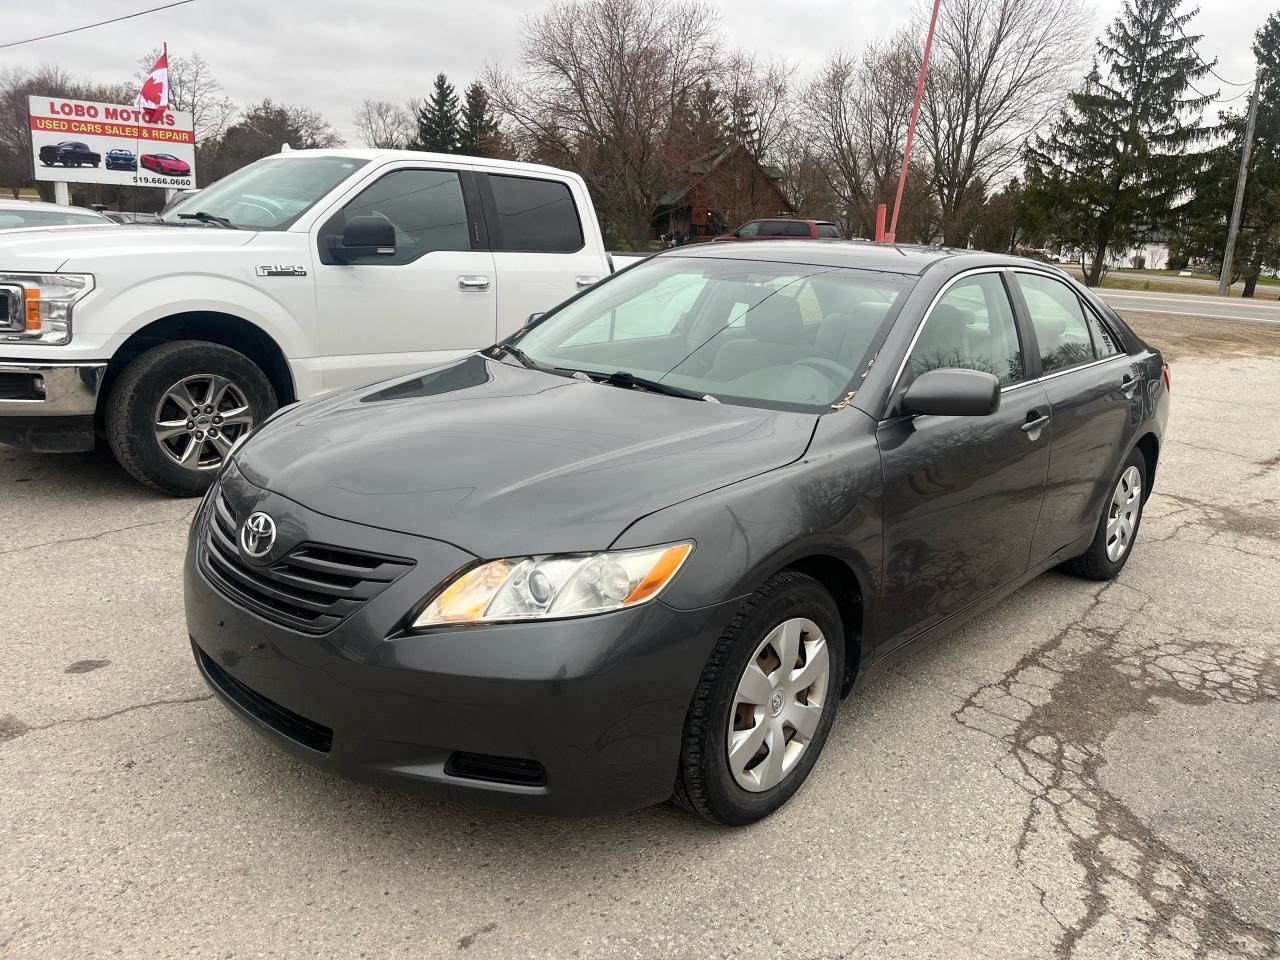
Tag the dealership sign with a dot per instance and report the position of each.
(81, 142)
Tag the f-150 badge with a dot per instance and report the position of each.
(281, 270)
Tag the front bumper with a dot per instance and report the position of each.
(47, 406)
(576, 717)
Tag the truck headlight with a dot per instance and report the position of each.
(36, 307)
(548, 587)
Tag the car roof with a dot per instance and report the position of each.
(855, 254)
(373, 154)
(8, 204)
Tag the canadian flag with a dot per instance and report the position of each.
(154, 95)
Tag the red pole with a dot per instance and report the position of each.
(911, 127)
(880, 212)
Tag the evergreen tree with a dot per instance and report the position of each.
(1117, 164)
(478, 130)
(1258, 245)
(438, 119)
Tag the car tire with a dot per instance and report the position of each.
(709, 782)
(1118, 526)
(142, 400)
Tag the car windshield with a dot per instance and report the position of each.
(11, 219)
(780, 335)
(268, 195)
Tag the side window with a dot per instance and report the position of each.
(828, 231)
(425, 207)
(535, 216)
(1058, 319)
(971, 327)
(1105, 343)
(806, 298)
(751, 229)
(794, 228)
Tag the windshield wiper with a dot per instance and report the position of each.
(524, 358)
(209, 218)
(624, 378)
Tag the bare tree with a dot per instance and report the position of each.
(998, 68)
(599, 85)
(192, 88)
(857, 108)
(382, 124)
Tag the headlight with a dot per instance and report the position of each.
(36, 307)
(547, 587)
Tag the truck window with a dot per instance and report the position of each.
(424, 206)
(534, 216)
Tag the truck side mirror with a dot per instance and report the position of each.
(363, 237)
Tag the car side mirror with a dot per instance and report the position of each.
(363, 237)
(953, 393)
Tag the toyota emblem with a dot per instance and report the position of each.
(257, 535)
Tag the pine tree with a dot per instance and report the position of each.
(1117, 164)
(1258, 245)
(477, 131)
(438, 119)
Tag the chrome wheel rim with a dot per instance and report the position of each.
(1122, 518)
(778, 704)
(199, 419)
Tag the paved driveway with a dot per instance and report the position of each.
(1086, 771)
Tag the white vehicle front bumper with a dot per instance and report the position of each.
(49, 407)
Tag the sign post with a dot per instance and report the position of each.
(78, 141)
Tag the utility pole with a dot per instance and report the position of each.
(892, 233)
(1233, 229)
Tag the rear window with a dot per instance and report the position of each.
(537, 216)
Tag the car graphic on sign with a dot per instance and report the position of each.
(165, 163)
(121, 160)
(69, 153)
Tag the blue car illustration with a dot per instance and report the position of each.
(121, 160)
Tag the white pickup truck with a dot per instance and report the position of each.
(302, 273)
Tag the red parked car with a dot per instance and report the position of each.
(784, 228)
(165, 163)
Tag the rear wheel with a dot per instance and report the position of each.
(764, 704)
(177, 410)
(1118, 526)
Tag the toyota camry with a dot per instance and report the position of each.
(643, 548)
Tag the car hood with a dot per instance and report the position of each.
(83, 248)
(505, 461)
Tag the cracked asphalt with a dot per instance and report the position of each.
(1086, 771)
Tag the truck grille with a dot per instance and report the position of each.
(313, 588)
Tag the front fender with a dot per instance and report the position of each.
(826, 504)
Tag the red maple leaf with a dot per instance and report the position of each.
(152, 90)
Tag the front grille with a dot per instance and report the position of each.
(21, 386)
(283, 721)
(313, 588)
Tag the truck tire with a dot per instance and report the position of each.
(176, 410)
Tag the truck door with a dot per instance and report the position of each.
(431, 300)
(540, 250)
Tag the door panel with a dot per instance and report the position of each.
(961, 499)
(1094, 420)
(433, 299)
(1095, 394)
(961, 494)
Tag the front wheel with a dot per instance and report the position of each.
(177, 410)
(764, 704)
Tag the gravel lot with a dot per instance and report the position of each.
(1083, 772)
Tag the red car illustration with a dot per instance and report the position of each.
(165, 163)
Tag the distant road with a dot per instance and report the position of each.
(1189, 305)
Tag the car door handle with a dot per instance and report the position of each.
(473, 283)
(584, 282)
(1035, 423)
(1128, 385)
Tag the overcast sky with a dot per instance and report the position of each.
(330, 54)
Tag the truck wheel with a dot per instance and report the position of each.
(175, 412)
